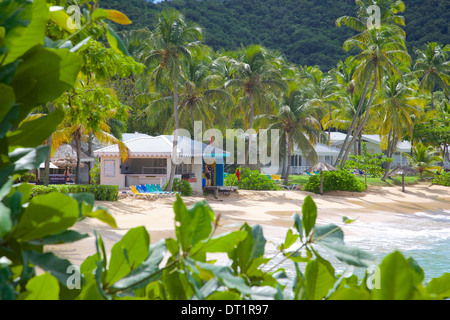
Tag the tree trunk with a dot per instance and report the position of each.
(288, 142)
(388, 166)
(47, 163)
(175, 136)
(250, 126)
(366, 116)
(47, 160)
(352, 125)
(78, 148)
(432, 99)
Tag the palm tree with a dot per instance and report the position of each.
(255, 73)
(381, 47)
(173, 40)
(432, 66)
(397, 107)
(201, 95)
(297, 123)
(381, 50)
(423, 158)
(323, 91)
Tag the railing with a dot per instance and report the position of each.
(298, 169)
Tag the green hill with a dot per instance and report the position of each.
(303, 30)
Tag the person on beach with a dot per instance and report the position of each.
(207, 176)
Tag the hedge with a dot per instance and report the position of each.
(443, 179)
(333, 181)
(101, 192)
(251, 180)
(181, 186)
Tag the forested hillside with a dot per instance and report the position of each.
(303, 30)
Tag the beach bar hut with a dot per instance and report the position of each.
(403, 170)
(150, 161)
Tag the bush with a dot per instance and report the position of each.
(26, 177)
(100, 192)
(251, 180)
(181, 186)
(335, 180)
(443, 179)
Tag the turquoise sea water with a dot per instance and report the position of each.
(424, 236)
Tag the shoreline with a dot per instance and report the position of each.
(273, 210)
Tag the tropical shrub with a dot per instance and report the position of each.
(26, 177)
(95, 173)
(181, 186)
(442, 179)
(250, 180)
(100, 192)
(333, 181)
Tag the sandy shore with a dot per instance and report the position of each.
(271, 209)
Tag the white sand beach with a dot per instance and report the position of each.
(271, 209)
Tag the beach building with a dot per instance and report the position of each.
(150, 160)
(328, 153)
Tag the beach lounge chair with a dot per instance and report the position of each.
(275, 178)
(174, 193)
(148, 190)
(308, 173)
(269, 176)
(134, 192)
(152, 188)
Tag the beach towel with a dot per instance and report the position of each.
(238, 175)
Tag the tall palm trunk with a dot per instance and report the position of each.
(175, 136)
(352, 125)
(250, 126)
(366, 116)
(47, 160)
(288, 151)
(78, 149)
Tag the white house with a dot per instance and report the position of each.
(328, 153)
(149, 161)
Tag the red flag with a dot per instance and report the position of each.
(238, 175)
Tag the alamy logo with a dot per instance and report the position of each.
(374, 20)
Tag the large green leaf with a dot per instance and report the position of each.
(331, 237)
(224, 274)
(45, 215)
(5, 220)
(309, 214)
(396, 279)
(146, 272)
(440, 286)
(7, 99)
(222, 243)
(33, 133)
(128, 254)
(52, 264)
(250, 249)
(26, 159)
(43, 76)
(192, 225)
(115, 41)
(43, 287)
(318, 280)
(20, 39)
(67, 236)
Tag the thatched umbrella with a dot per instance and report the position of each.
(403, 170)
(321, 167)
(66, 163)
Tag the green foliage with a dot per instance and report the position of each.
(442, 179)
(250, 180)
(370, 164)
(181, 186)
(95, 173)
(100, 192)
(304, 31)
(335, 180)
(26, 177)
